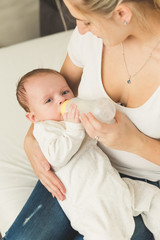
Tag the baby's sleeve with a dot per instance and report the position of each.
(59, 142)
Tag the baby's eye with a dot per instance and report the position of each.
(49, 100)
(65, 92)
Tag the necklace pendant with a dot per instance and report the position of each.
(129, 81)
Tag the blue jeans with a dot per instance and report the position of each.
(42, 218)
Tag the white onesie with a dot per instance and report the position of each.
(99, 204)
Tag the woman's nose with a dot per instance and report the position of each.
(82, 28)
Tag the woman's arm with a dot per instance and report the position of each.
(123, 135)
(72, 74)
(148, 148)
(41, 166)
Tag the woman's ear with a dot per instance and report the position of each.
(123, 13)
(31, 116)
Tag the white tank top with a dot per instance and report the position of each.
(86, 51)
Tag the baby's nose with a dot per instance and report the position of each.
(61, 100)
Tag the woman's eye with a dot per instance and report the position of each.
(87, 23)
(65, 92)
(49, 100)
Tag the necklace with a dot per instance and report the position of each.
(130, 76)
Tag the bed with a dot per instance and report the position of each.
(17, 178)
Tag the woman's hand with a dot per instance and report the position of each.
(42, 168)
(122, 135)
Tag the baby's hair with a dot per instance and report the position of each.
(21, 92)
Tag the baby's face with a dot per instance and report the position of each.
(46, 92)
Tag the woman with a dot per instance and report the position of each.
(116, 55)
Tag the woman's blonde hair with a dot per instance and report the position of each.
(107, 6)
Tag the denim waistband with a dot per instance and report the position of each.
(155, 183)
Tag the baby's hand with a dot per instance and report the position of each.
(72, 115)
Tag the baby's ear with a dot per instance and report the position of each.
(31, 116)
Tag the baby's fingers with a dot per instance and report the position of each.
(73, 114)
(72, 110)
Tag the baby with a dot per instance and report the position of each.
(99, 204)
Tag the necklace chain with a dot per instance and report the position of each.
(130, 76)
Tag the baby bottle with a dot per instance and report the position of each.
(103, 109)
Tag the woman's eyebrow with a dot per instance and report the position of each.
(83, 20)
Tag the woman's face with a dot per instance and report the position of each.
(111, 31)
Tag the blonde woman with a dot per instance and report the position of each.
(115, 53)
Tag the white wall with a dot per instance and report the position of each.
(19, 21)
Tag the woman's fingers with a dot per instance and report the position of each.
(92, 126)
(53, 185)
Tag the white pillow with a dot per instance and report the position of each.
(17, 178)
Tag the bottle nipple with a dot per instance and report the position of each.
(63, 107)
